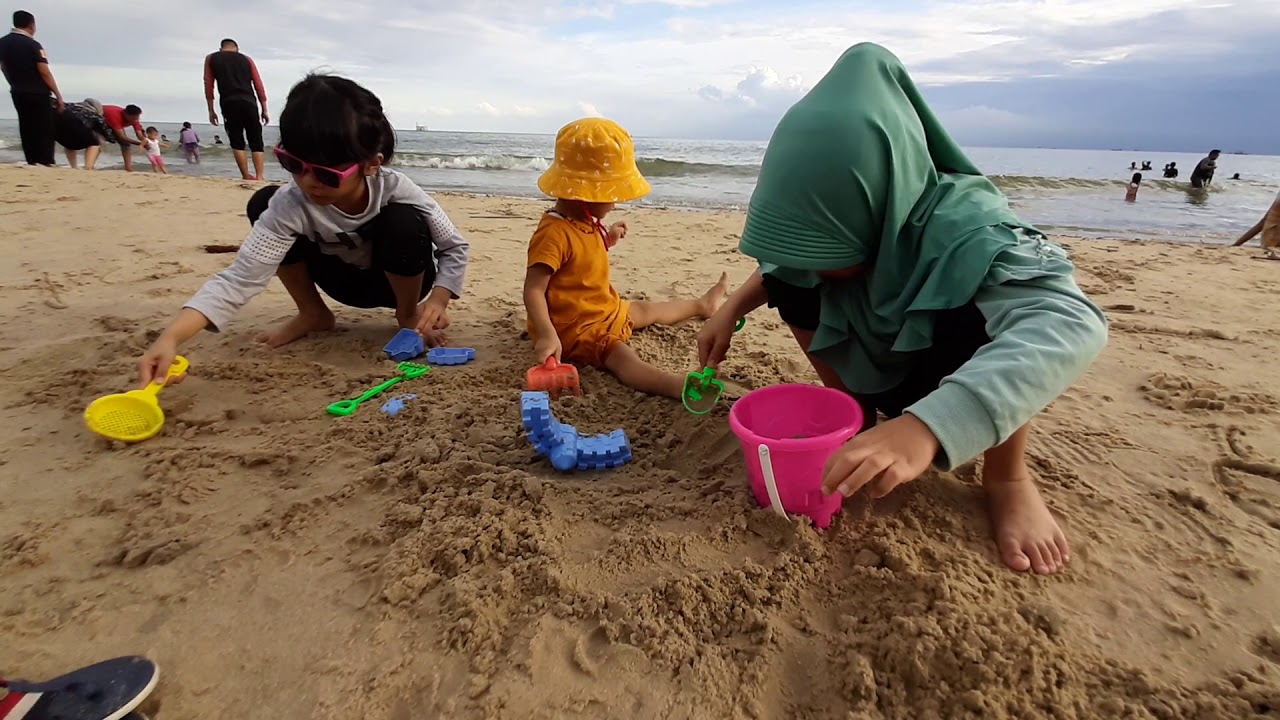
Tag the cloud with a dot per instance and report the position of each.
(761, 87)
(727, 68)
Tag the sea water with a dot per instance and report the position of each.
(1073, 192)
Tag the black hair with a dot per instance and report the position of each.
(1215, 152)
(23, 19)
(228, 41)
(330, 120)
(152, 129)
(1137, 177)
(186, 126)
(132, 110)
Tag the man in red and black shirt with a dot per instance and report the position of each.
(35, 94)
(241, 91)
(117, 118)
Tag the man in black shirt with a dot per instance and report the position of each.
(241, 91)
(25, 66)
(1203, 174)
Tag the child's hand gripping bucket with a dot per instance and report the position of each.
(787, 433)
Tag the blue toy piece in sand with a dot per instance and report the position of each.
(450, 356)
(604, 451)
(393, 406)
(406, 345)
(563, 445)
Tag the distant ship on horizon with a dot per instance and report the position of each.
(420, 127)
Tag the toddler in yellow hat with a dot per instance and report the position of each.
(575, 314)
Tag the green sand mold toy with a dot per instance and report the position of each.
(701, 389)
(408, 371)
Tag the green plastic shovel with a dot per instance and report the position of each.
(408, 371)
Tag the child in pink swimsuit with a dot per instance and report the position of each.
(153, 146)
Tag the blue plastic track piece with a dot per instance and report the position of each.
(545, 432)
(604, 451)
(564, 453)
(563, 445)
(450, 356)
(406, 345)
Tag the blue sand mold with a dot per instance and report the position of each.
(450, 356)
(563, 445)
(396, 404)
(406, 345)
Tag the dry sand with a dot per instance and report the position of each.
(280, 563)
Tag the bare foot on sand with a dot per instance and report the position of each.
(709, 303)
(296, 328)
(1026, 534)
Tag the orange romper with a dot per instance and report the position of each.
(588, 314)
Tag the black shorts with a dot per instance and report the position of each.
(402, 245)
(241, 120)
(73, 134)
(957, 335)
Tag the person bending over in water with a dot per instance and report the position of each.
(907, 280)
(345, 224)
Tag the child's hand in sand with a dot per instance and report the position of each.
(715, 336)
(881, 458)
(435, 338)
(154, 363)
(617, 231)
(433, 312)
(546, 347)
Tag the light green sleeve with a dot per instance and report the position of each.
(1044, 335)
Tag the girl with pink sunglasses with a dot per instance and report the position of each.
(346, 224)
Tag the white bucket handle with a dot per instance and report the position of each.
(770, 484)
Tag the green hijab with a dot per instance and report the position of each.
(860, 172)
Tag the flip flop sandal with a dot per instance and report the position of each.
(109, 690)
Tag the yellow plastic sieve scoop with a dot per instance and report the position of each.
(132, 416)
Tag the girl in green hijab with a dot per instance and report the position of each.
(908, 282)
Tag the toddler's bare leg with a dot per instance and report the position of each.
(644, 314)
(637, 374)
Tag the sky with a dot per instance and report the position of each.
(1177, 75)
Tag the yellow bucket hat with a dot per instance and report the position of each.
(595, 162)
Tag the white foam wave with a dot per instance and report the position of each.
(473, 162)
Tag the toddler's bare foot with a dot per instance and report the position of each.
(297, 327)
(1027, 536)
(709, 303)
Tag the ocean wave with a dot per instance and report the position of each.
(1036, 182)
(661, 167)
(472, 162)
(650, 167)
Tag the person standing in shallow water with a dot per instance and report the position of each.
(907, 280)
(243, 100)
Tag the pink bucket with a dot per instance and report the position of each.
(794, 429)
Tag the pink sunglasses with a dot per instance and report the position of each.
(295, 165)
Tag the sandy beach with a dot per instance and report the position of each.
(281, 563)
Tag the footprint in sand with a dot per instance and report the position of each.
(1178, 392)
